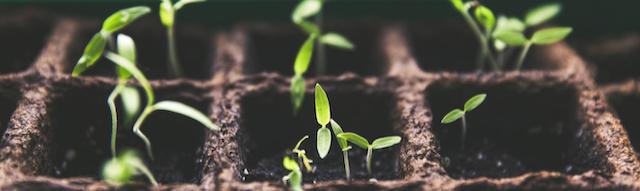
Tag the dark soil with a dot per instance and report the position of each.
(194, 44)
(23, 37)
(614, 59)
(270, 129)
(514, 132)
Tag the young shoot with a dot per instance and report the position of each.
(541, 37)
(120, 170)
(485, 17)
(323, 116)
(379, 143)
(302, 155)
(456, 114)
(295, 174)
(343, 146)
(167, 16)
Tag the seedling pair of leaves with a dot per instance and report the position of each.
(167, 16)
(509, 31)
(471, 104)
(125, 66)
(305, 10)
(120, 170)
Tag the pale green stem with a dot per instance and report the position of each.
(142, 168)
(484, 44)
(522, 56)
(114, 115)
(345, 156)
(174, 64)
(321, 66)
(136, 129)
(369, 156)
(464, 132)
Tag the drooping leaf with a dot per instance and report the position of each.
(485, 17)
(355, 139)
(130, 102)
(182, 3)
(297, 92)
(304, 56)
(122, 18)
(550, 35)
(127, 49)
(323, 110)
(474, 102)
(133, 70)
(385, 142)
(337, 130)
(290, 164)
(92, 52)
(323, 141)
(180, 108)
(542, 13)
(511, 38)
(167, 13)
(305, 9)
(336, 40)
(452, 116)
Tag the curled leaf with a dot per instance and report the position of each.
(290, 164)
(485, 17)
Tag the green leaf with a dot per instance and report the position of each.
(127, 49)
(511, 38)
(117, 173)
(385, 142)
(355, 139)
(137, 74)
(336, 40)
(295, 180)
(92, 52)
(323, 141)
(452, 116)
(130, 102)
(186, 110)
(323, 110)
(167, 13)
(305, 9)
(309, 27)
(485, 17)
(122, 18)
(297, 92)
(337, 130)
(550, 35)
(509, 24)
(474, 102)
(458, 4)
(182, 3)
(290, 164)
(304, 56)
(542, 13)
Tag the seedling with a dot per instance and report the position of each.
(167, 16)
(343, 146)
(305, 10)
(323, 116)
(486, 17)
(541, 37)
(295, 175)
(456, 114)
(127, 65)
(120, 170)
(379, 143)
(302, 155)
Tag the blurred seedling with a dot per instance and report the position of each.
(167, 16)
(301, 154)
(295, 174)
(456, 114)
(379, 143)
(121, 170)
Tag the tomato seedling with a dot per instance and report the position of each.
(456, 114)
(379, 143)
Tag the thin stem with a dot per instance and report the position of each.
(464, 132)
(484, 44)
(142, 168)
(174, 65)
(482, 55)
(136, 129)
(369, 153)
(345, 156)
(114, 115)
(321, 66)
(523, 54)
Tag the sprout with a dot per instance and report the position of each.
(323, 116)
(302, 154)
(361, 142)
(295, 175)
(456, 114)
(343, 146)
(485, 16)
(120, 170)
(541, 37)
(167, 16)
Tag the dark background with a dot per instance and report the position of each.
(590, 18)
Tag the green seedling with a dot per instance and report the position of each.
(303, 11)
(456, 114)
(114, 23)
(323, 116)
(302, 155)
(126, 64)
(295, 175)
(379, 143)
(120, 170)
(343, 146)
(486, 18)
(541, 37)
(167, 16)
